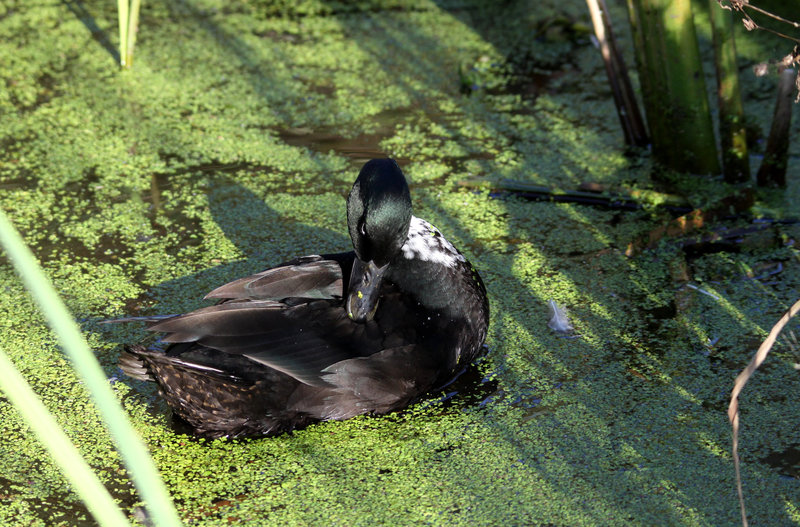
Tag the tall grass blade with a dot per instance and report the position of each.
(139, 463)
(86, 483)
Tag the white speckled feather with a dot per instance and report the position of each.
(426, 243)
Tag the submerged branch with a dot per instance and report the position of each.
(694, 220)
(589, 194)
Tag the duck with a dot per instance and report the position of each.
(324, 337)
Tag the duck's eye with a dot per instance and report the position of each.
(362, 227)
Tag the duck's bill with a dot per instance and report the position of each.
(363, 292)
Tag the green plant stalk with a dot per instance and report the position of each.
(735, 163)
(88, 486)
(687, 91)
(138, 461)
(133, 27)
(772, 172)
(122, 11)
(650, 68)
(673, 85)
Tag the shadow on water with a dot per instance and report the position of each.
(470, 388)
(786, 462)
(81, 13)
(73, 511)
(237, 211)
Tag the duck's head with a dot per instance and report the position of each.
(378, 217)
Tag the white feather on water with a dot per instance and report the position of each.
(558, 318)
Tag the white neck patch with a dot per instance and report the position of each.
(426, 243)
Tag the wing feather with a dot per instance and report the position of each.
(300, 341)
(312, 277)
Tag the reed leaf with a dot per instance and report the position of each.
(122, 12)
(86, 483)
(138, 461)
(133, 27)
(128, 12)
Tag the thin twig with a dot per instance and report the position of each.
(742, 4)
(750, 24)
(738, 385)
(778, 33)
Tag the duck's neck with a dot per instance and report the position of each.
(425, 243)
(432, 270)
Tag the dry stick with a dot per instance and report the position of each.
(767, 13)
(627, 108)
(738, 385)
(772, 171)
(750, 25)
(641, 137)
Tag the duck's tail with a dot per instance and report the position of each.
(132, 364)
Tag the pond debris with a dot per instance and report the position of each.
(732, 204)
(558, 318)
(588, 193)
(701, 290)
(772, 270)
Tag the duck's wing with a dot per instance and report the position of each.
(311, 277)
(379, 383)
(301, 340)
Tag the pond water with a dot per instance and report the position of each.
(230, 147)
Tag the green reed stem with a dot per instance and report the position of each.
(133, 27)
(86, 483)
(122, 10)
(139, 463)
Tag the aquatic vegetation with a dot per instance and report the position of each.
(139, 191)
